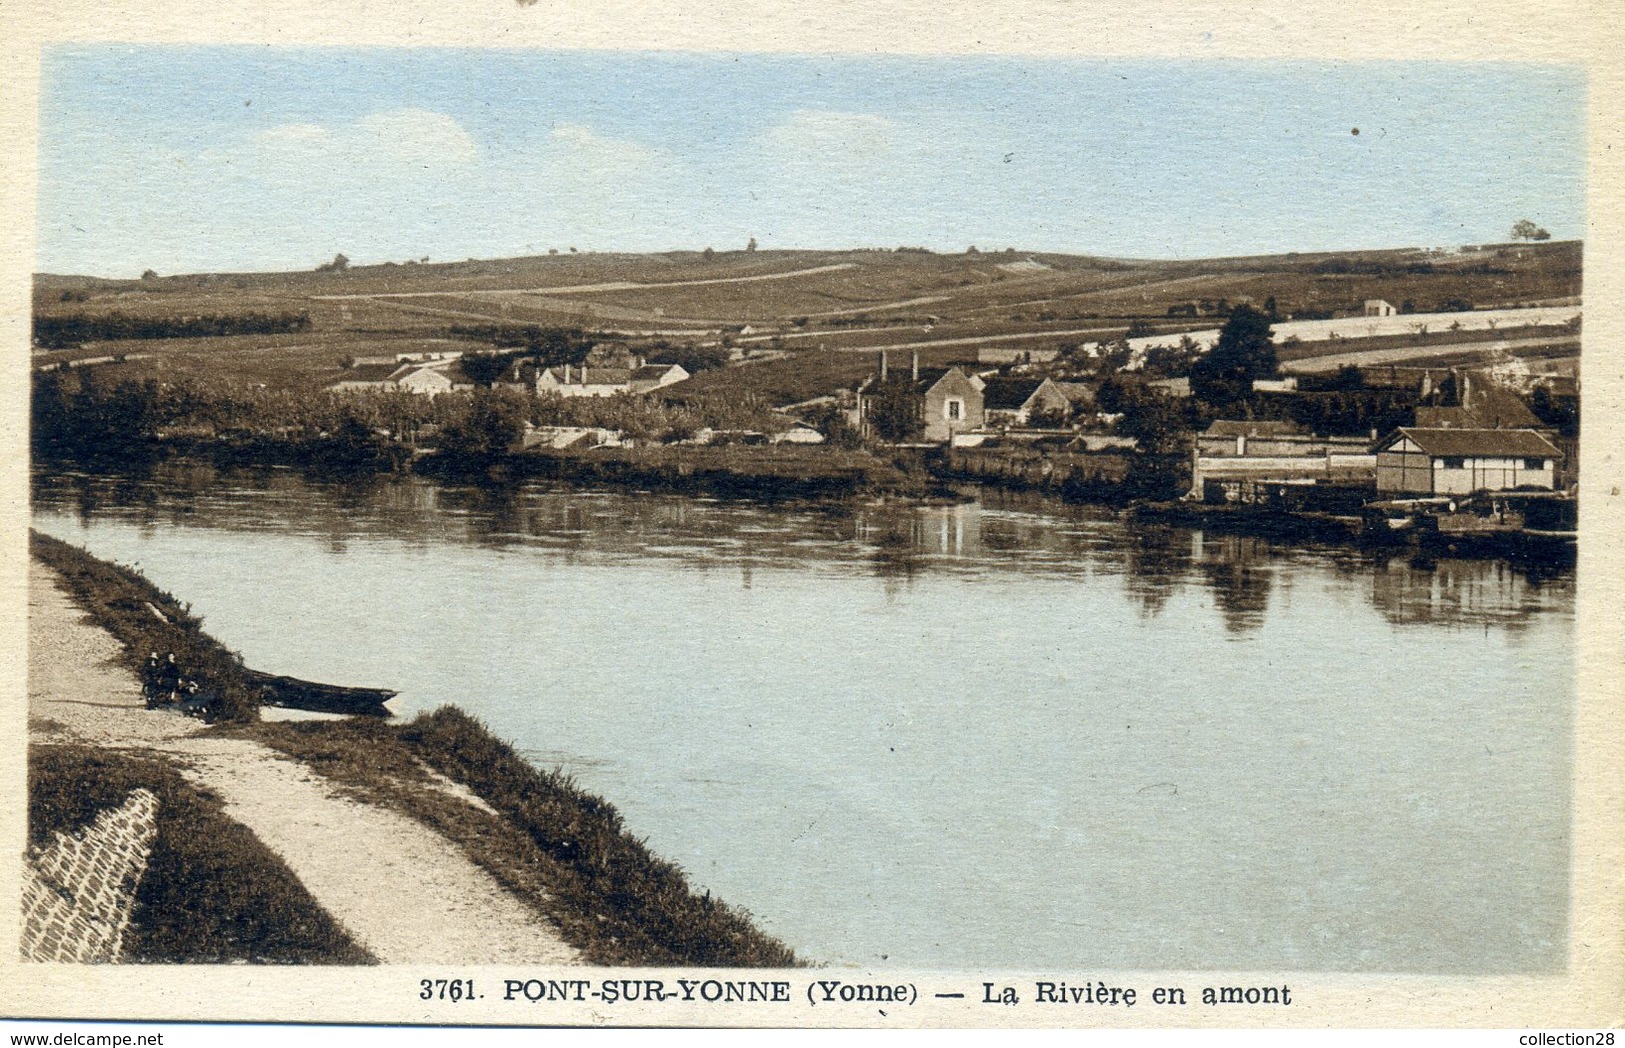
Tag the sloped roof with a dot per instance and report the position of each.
(1009, 394)
(1484, 409)
(592, 376)
(651, 371)
(1494, 406)
(452, 372)
(1479, 443)
(1076, 392)
(369, 372)
(928, 377)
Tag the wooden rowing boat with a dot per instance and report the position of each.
(296, 694)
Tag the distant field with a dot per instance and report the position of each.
(296, 362)
(1443, 355)
(1423, 327)
(804, 376)
(813, 301)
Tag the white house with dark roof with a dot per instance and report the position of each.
(574, 380)
(434, 378)
(1417, 461)
(582, 381)
(439, 377)
(649, 377)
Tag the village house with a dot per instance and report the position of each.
(1285, 384)
(368, 376)
(582, 381)
(1419, 461)
(1234, 460)
(649, 377)
(946, 401)
(578, 438)
(798, 433)
(1173, 387)
(576, 380)
(434, 379)
(1376, 307)
(1479, 405)
(430, 379)
(1016, 401)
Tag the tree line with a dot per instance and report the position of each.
(97, 414)
(551, 345)
(73, 329)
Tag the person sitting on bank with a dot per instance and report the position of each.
(169, 680)
(150, 680)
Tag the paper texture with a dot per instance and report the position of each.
(1583, 990)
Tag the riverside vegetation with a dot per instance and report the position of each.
(215, 893)
(239, 367)
(212, 893)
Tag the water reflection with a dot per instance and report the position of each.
(897, 543)
(1237, 569)
(1028, 734)
(1154, 559)
(1452, 592)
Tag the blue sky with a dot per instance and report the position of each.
(186, 159)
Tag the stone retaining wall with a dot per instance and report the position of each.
(78, 890)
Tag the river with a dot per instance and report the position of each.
(1005, 734)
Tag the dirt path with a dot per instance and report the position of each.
(609, 285)
(1417, 355)
(401, 890)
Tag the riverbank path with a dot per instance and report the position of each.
(401, 890)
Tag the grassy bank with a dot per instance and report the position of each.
(560, 849)
(122, 602)
(212, 893)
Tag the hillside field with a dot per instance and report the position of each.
(820, 315)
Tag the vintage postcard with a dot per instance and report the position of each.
(525, 523)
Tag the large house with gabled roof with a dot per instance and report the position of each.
(1421, 461)
(441, 376)
(570, 380)
(946, 401)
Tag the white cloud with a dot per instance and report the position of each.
(585, 185)
(397, 144)
(415, 137)
(577, 144)
(824, 134)
(295, 136)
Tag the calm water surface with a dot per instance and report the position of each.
(1004, 734)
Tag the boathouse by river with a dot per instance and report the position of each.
(1419, 461)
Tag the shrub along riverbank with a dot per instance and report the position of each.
(146, 619)
(759, 472)
(561, 850)
(98, 420)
